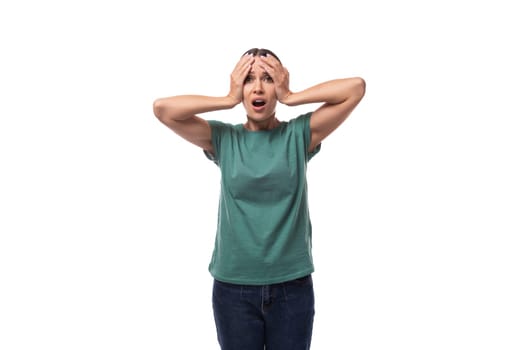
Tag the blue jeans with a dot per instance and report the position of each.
(272, 317)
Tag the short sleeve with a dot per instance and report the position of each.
(217, 128)
(304, 122)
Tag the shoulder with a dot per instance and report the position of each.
(218, 124)
(301, 123)
(220, 128)
(301, 119)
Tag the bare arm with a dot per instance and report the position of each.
(339, 98)
(179, 113)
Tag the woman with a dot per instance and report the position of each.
(262, 263)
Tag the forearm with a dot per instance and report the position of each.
(185, 106)
(330, 92)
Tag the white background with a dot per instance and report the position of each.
(107, 218)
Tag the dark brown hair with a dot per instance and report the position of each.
(261, 52)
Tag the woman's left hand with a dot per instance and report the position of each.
(279, 74)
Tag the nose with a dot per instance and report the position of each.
(258, 86)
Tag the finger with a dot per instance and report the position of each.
(267, 63)
(246, 60)
(247, 65)
(242, 72)
(271, 60)
(264, 65)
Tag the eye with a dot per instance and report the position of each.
(267, 78)
(248, 79)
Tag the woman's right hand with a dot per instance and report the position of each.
(237, 77)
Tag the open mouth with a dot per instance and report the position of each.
(258, 103)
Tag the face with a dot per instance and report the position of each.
(259, 98)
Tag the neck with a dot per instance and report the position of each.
(259, 125)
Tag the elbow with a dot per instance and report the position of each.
(158, 108)
(360, 87)
(355, 91)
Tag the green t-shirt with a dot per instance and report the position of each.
(264, 232)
